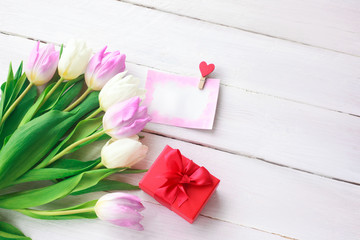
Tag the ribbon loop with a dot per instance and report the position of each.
(179, 178)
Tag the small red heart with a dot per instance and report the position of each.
(206, 69)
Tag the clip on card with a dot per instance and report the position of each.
(205, 70)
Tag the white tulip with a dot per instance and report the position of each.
(123, 152)
(119, 89)
(74, 59)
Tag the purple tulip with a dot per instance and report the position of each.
(121, 209)
(42, 64)
(102, 67)
(125, 119)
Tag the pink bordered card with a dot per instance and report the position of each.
(176, 100)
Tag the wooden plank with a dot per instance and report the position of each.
(159, 223)
(283, 132)
(165, 41)
(274, 199)
(253, 193)
(326, 24)
(291, 134)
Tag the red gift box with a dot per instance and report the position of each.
(179, 184)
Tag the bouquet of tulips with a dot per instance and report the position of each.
(37, 131)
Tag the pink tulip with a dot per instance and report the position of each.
(121, 209)
(42, 64)
(125, 119)
(102, 67)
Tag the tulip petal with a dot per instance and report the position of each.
(102, 67)
(120, 209)
(123, 152)
(119, 89)
(42, 64)
(135, 127)
(94, 63)
(125, 199)
(33, 56)
(74, 59)
(121, 112)
(125, 119)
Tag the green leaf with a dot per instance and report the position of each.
(60, 214)
(32, 141)
(17, 86)
(8, 88)
(3, 87)
(8, 231)
(92, 177)
(67, 92)
(83, 129)
(107, 185)
(87, 142)
(52, 99)
(73, 164)
(15, 117)
(19, 70)
(90, 103)
(68, 96)
(40, 196)
(6, 139)
(61, 50)
(60, 169)
(7, 97)
(13, 87)
(35, 107)
(131, 171)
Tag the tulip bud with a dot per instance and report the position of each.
(42, 64)
(120, 209)
(102, 67)
(124, 152)
(125, 119)
(74, 59)
(119, 89)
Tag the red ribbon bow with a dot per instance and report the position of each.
(179, 177)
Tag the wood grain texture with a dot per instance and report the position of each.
(272, 198)
(326, 24)
(160, 224)
(259, 195)
(291, 134)
(166, 41)
(282, 105)
(156, 216)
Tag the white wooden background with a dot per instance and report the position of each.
(286, 140)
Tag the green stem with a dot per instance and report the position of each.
(93, 114)
(51, 92)
(13, 106)
(58, 213)
(99, 165)
(75, 144)
(42, 102)
(79, 100)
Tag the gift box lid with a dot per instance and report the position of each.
(179, 184)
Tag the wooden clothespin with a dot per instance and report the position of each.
(205, 70)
